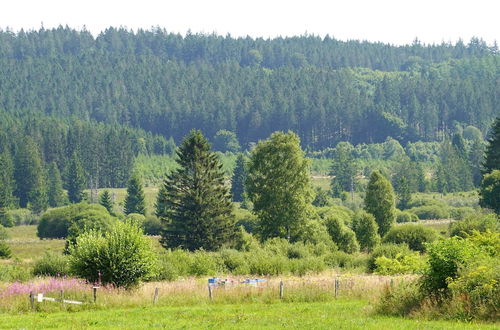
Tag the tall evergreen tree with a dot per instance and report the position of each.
(56, 195)
(238, 179)
(404, 193)
(7, 180)
(135, 200)
(343, 169)
(75, 179)
(492, 160)
(279, 185)
(106, 201)
(379, 201)
(195, 205)
(30, 177)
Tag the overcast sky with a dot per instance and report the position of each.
(392, 21)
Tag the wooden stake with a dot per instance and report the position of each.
(32, 300)
(155, 298)
(282, 289)
(94, 290)
(210, 292)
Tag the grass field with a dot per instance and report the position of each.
(25, 245)
(340, 314)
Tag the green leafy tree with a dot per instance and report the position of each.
(404, 194)
(106, 201)
(492, 160)
(343, 170)
(123, 256)
(135, 200)
(341, 234)
(279, 185)
(30, 177)
(226, 141)
(75, 182)
(379, 201)
(238, 179)
(57, 196)
(490, 191)
(194, 203)
(366, 229)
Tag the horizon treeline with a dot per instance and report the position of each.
(323, 89)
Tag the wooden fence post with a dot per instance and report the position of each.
(94, 292)
(210, 292)
(32, 300)
(337, 287)
(282, 289)
(155, 299)
(62, 296)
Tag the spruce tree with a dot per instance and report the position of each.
(379, 201)
(30, 177)
(75, 182)
(135, 200)
(238, 179)
(492, 160)
(6, 180)
(404, 193)
(343, 170)
(56, 195)
(489, 194)
(106, 201)
(195, 203)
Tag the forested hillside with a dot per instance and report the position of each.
(324, 89)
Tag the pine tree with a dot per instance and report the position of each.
(56, 195)
(6, 180)
(492, 160)
(195, 204)
(238, 179)
(379, 201)
(343, 169)
(490, 191)
(105, 200)
(135, 200)
(75, 182)
(279, 185)
(30, 177)
(404, 193)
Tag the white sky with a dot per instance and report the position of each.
(392, 21)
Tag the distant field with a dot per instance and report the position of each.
(340, 314)
(26, 246)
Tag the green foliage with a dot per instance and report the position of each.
(135, 202)
(226, 141)
(238, 179)
(152, 225)
(400, 264)
(106, 201)
(406, 216)
(490, 191)
(379, 201)
(6, 219)
(480, 223)
(5, 252)
(56, 195)
(366, 229)
(343, 169)
(279, 185)
(52, 264)
(194, 202)
(4, 234)
(321, 198)
(75, 179)
(23, 217)
(123, 256)
(342, 235)
(7, 179)
(429, 212)
(492, 160)
(56, 223)
(388, 250)
(415, 236)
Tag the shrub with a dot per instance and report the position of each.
(415, 236)
(23, 217)
(459, 213)
(342, 235)
(14, 273)
(428, 212)
(405, 216)
(136, 218)
(205, 263)
(389, 250)
(404, 299)
(345, 260)
(52, 264)
(401, 264)
(5, 252)
(481, 223)
(366, 229)
(123, 256)
(304, 266)
(6, 220)
(4, 234)
(297, 251)
(152, 225)
(235, 262)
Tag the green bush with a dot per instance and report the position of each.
(459, 213)
(405, 216)
(401, 300)
(52, 264)
(6, 220)
(341, 234)
(4, 234)
(366, 229)
(23, 217)
(415, 236)
(235, 262)
(152, 225)
(205, 263)
(481, 223)
(304, 266)
(401, 264)
(345, 260)
(389, 250)
(5, 252)
(429, 212)
(136, 218)
(14, 273)
(123, 255)
(297, 251)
